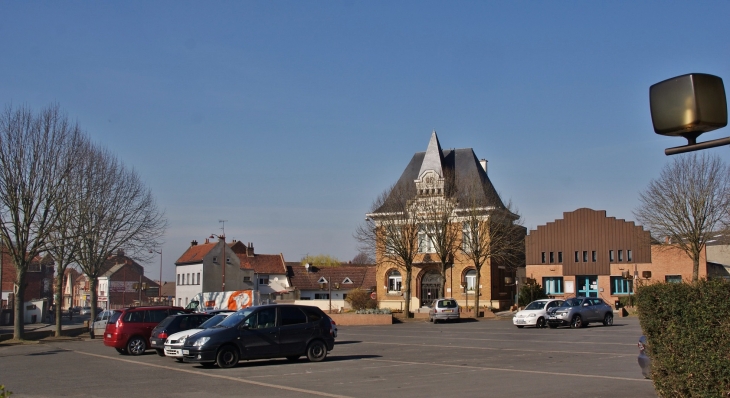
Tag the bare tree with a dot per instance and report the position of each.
(36, 158)
(364, 257)
(116, 211)
(435, 215)
(64, 237)
(392, 228)
(687, 203)
(491, 235)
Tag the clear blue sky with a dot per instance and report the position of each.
(288, 118)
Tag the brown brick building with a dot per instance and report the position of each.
(587, 253)
(38, 279)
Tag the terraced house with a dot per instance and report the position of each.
(441, 201)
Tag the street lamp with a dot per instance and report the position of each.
(688, 106)
(222, 239)
(159, 289)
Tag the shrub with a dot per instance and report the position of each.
(687, 326)
(530, 293)
(360, 299)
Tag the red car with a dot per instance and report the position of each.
(129, 329)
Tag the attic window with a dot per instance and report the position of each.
(322, 280)
(346, 281)
(215, 259)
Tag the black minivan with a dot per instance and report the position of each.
(268, 331)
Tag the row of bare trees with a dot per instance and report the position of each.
(466, 223)
(63, 195)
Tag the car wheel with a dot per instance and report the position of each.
(577, 322)
(520, 326)
(608, 320)
(160, 352)
(316, 352)
(292, 357)
(540, 323)
(227, 357)
(551, 326)
(121, 351)
(136, 346)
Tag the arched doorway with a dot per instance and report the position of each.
(430, 288)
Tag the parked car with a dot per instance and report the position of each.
(98, 326)
(268, 331)
(175, 342)
(644, 360)
(578, 312)
(443, 310)
(173, 324)
(535, 313)
(85, 311)
(129, 330)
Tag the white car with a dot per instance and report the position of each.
(97, 327)
(534, 313)
(175, 342)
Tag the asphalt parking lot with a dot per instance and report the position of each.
(414, 359)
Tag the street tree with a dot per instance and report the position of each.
(37, 156)
(392, 228)
(491, 235)
(321, 261)
(116, 211)
(687, 204)
(363, 257)
(435, 215)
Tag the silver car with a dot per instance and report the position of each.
(443, 309)
(578, 312)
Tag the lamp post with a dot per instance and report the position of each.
(159, 289)
(222, 239)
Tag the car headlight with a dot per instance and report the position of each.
(201, 341)
(531, 315)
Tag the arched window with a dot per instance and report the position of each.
(471, 280)
(394, 281)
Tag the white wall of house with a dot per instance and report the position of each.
(188, 282)
(102, 292)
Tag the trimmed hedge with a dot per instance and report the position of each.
(687, 326)
(530, 293)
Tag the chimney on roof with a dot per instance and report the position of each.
(483, 162)
(207, 241)
(120, 253)
(249, 250)
(194, 243)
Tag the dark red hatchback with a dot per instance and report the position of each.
(129, 329)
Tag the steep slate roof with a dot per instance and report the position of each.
(263, 263)
(362, 276)
(459, 164)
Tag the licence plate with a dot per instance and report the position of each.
(109, 335)
(551, 317)
(448, 310)
(153, 342)
(186, 352)
(521, 321)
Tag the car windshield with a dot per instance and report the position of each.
(574, 302)
(216, 319)
(235, 319)
(536, 305)
(447, 304)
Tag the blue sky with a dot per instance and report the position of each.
(288, 118)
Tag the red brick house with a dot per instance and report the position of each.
(38, 279)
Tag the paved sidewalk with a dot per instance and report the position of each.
(34, 331)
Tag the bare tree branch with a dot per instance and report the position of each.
(687, 204)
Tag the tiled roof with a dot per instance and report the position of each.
(362, 276)
(263, 263)
(195, 253)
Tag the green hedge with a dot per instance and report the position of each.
(687, 326)
(530, 293)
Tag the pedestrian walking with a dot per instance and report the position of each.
(70, 313)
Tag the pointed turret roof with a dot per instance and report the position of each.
(434, 158)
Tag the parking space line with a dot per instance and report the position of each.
(499, 349)
(503, 340)
(508, 370)
(196, 372)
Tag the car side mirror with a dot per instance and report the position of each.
(244, 327)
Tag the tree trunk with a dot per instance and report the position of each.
(477, 291)
(19, 310)
(407, 295)
(695, 267)
(59, 302)
(92, 286)
(442, 291)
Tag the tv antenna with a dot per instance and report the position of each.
(223, 228)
